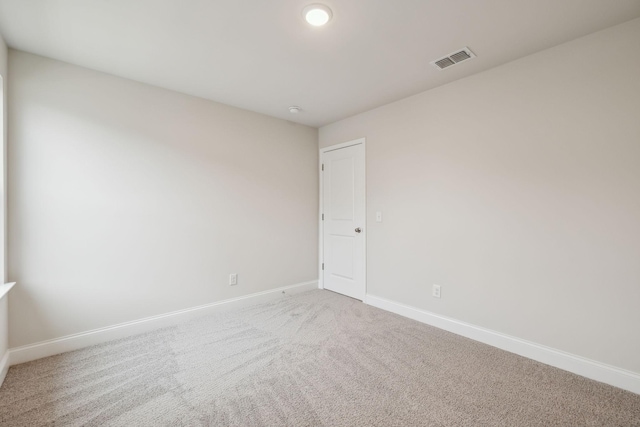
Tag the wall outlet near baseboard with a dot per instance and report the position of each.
(233, 279)
(436, 291)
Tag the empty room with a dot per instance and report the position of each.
(320, 213)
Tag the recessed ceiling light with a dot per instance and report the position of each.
(294, 109)
(317, 14)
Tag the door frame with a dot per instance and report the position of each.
(321, 209)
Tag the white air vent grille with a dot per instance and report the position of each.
(453, 58)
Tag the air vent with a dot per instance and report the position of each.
(453, 58)
(444, 63)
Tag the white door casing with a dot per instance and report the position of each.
(343, 228)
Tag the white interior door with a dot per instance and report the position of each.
(343, 226)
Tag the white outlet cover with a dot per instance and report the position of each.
(436, 291)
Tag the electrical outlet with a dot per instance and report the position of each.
(233, 279)
(436, 291)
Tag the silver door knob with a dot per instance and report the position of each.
(358, 230)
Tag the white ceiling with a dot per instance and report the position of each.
(262, 56)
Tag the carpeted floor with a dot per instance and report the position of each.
(312, 359)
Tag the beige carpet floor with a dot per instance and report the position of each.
(312, 359)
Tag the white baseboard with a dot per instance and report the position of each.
(569, 362)
(47, 348)
(4, 366)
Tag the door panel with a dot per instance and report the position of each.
(342, 183)
(344, 211)
(342, 254)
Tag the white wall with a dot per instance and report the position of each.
(126, 200)
(518, 191)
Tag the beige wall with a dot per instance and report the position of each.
(518, 191)
(4, 57)
(127, 200)
(4, 339)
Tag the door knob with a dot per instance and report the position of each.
(358, 230)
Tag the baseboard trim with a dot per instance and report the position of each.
(55, 346)
(604, 373)
(4, 366)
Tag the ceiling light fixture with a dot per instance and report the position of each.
(317, 14)
(294, 109)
